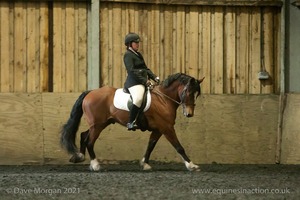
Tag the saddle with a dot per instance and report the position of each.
(123, 101)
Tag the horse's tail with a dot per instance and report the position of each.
(68, 131)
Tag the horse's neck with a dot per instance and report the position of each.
(172, 91)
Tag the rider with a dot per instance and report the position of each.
(137, 76)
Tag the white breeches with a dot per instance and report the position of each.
(137, 94)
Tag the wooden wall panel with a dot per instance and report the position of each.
(70, 61)
(57, 47)
(5, 49)
(243, 51)
(225, 129)
(118, 44)
(217, 51)
(178, 40)
(255, 51)
(269, 50)
(104, 44)
(251, 3)
(24, 47)
(21, 127)
(232, 129)
(42, 54)
(19, 83)
(155, 40)
(206, 49)
(227, 45)
(192, 48)
(81, 46)
(56, 111)
(230, 51)
(69, 46)
(290, 145)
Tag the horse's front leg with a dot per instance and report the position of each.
(172, 138)
(154, 137)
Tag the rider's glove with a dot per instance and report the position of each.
(157, 80)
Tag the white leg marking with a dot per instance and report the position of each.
(191, 166)
(94, 166)
(145, 166)
(81, 156)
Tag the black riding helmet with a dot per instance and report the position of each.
(131, 37)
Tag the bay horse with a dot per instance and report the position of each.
(97, 105)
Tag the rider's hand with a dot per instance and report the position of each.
(148, 84)
(157, 80)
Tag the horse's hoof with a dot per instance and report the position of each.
(73, 159)
(76, 158)
(94, 166)
(145, 166)
(191, 166)
(131, 129)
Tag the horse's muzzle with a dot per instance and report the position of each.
(188, 111)
(189, 115)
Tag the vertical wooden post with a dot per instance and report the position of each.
(94, 44)
(282, 97)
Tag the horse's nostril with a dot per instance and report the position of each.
(189, 115)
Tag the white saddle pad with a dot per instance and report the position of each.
(121, 99)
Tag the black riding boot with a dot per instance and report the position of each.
(132, 119)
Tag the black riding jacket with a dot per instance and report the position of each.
(138, 72)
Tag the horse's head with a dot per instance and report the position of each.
(187, 90)
(188, 95)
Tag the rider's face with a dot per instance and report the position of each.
(135, 46)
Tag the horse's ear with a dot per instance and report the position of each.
(200, 80)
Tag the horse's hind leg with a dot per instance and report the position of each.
(83, 141)
(94, 133)
(80, 157)
(154, 137)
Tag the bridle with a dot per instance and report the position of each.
(182, 96)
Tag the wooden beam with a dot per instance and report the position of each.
(277, 3)
(94, 44)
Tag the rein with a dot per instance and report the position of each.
(160, 93)
(181, 96)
